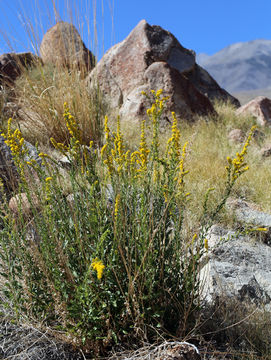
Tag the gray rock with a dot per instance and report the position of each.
(237, 268)
(248, 213)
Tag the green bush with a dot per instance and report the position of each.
(111, 262)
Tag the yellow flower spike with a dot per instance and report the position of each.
(229, 160)
(43, 155)
(49, 178)
(159, 92)
(103, 149)
(239, 165)
(116, 209)
(99, 267)
(206, 245)
(193, 239)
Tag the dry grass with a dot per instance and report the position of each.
(42, 93)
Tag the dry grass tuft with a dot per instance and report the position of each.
(42, 93)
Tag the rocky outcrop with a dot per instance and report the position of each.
(237, 268)
(62, 46)
(12, 65)
(152, 58)
(249, 214)
(260, 108)
(236, 136)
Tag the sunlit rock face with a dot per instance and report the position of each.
(152, 58)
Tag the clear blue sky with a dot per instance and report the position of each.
(202, 25)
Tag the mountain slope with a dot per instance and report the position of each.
(241, 66)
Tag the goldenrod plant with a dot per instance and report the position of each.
(115, 263)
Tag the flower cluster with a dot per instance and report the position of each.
(173, 144)
(117, 204)
(15, 141)
(98, 266)
(72, 125)
(237, 165)
(59, 146)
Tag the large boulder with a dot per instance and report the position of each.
(260, 108)
(12, 65)
(152, 58)
(62, 46)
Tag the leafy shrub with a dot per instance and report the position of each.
(111, 262)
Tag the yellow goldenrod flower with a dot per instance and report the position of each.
(43, 155)
(159, 92)
(106, 129)
(103, 149)
(72, 125)
(206, 246)
(261, 229)
(237, 165)
(14, 141)
(117, 202)
(99, 267)
(193, 239)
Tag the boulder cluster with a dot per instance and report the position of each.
(149, 58)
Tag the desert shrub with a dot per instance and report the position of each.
(112, 262)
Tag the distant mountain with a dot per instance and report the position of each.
(240, 67)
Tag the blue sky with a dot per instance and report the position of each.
(202, 25)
